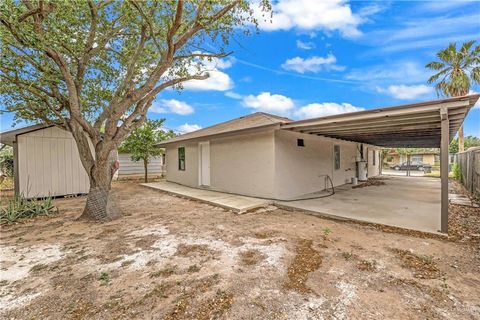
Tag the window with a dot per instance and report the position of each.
(374, 157)
(336, 156)
(300, 143)
(417, 158)
(181, 158)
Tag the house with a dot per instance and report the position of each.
(267, 156)
(281, 164)
(429, 156)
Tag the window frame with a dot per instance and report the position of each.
(181, 159)
(414, 158)
(336, 157)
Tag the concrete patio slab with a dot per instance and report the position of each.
(237, 203)
(405, 202)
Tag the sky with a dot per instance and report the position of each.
(317, 58)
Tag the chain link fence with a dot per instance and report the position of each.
(469, 163)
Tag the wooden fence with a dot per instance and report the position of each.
(129, 167)
(469, 163)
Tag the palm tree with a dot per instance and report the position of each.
(457, 72)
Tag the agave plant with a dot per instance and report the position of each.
(20, 207)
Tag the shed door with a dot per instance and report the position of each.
(204, 163)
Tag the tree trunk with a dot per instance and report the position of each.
(461, 146)
(97, 207)
(145, 165)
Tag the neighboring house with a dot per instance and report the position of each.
(429, 156)
(252, 156)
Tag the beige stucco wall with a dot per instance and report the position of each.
(373, 169)
(49, 164)
(429, 159)
(189, 177)
(268, 164)
(302, 170)
(241, 164)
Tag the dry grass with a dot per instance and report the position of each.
(367, 265)
(207, 263)
(186, 250)
(251, 257)
(306, 260)
(423, 267)
(370, 182)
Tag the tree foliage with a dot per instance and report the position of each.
(470, 141)
(95, 67)
(141, 143)
(456, 70)
(6, 160)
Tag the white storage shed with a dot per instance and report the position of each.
(46, 162)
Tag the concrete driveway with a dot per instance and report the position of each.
(406, 202)
(413, 173)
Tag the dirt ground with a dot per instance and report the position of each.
(171, 258)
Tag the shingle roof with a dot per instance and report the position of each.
(255, 120)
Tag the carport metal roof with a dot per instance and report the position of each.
(412, 125)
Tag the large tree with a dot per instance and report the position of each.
(95, 67)
(456, 72)
(141, 142)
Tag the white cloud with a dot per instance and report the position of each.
(233, 95)
(217, 80)
(423, 33)
(186, 128)
(312, 64)
(172, 106)
(309, 15)
(285, 106)
(404, 71)
(305, 45)
(405, 92)
(443, 5)
(267, 102)
(315, 110)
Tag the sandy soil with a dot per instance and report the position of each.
(171, 258)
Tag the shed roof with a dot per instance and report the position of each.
(9, 137)
(237, 125)
(412, 125)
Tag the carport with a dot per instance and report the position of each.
(431, 124)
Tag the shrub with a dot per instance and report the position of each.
(20, 207)
(6, 164)
(457, 175)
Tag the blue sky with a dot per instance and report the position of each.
(324, 57)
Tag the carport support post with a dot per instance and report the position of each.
(444, 144)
